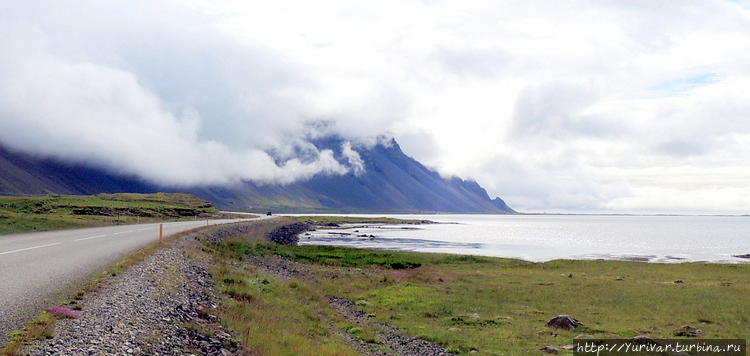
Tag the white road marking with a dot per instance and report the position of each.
(90, 237)
(28, 248)
(81, 239)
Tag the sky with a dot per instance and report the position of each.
(555, 106)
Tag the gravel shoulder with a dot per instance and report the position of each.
(161, 306)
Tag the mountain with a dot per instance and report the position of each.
(390, 182)
(25, 174)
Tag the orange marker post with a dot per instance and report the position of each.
(161, 233)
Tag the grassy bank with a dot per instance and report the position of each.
(53, 212)
(489, 306)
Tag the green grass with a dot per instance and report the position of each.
(53, 212)
(347, 257)
(500, 308)
(276, 317)
(495, 306)
(40, 328)
(358, 220)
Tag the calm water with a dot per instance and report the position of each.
(543, 238)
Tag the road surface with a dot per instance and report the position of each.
(40, 269)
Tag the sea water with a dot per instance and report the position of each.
(548, 237)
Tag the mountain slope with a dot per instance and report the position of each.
(25, 174)
(391, 182)
(393, 179)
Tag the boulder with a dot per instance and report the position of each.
(688, 331)
(643, 340)
(564, 322)
(550, 350)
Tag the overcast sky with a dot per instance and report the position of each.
(557, 106)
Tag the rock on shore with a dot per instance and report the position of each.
(288, 234)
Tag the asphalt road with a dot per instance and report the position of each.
(38, 270)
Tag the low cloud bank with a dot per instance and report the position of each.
(155, 91)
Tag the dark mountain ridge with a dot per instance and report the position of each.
(391, 182)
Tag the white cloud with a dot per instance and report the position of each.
(352, 156)
(603, 106)
(185, 111)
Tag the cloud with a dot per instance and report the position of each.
(580, 106)
(168, 99)
(557, 109)
(683, 148)
(352, 156)
(481, 62)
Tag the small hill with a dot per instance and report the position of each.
(52, 212)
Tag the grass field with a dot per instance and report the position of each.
(52, 212)
(478, 305)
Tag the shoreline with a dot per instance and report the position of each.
(635, 259)
(350, 232)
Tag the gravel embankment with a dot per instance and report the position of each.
(161, 306)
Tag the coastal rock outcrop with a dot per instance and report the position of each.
(288, 234)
